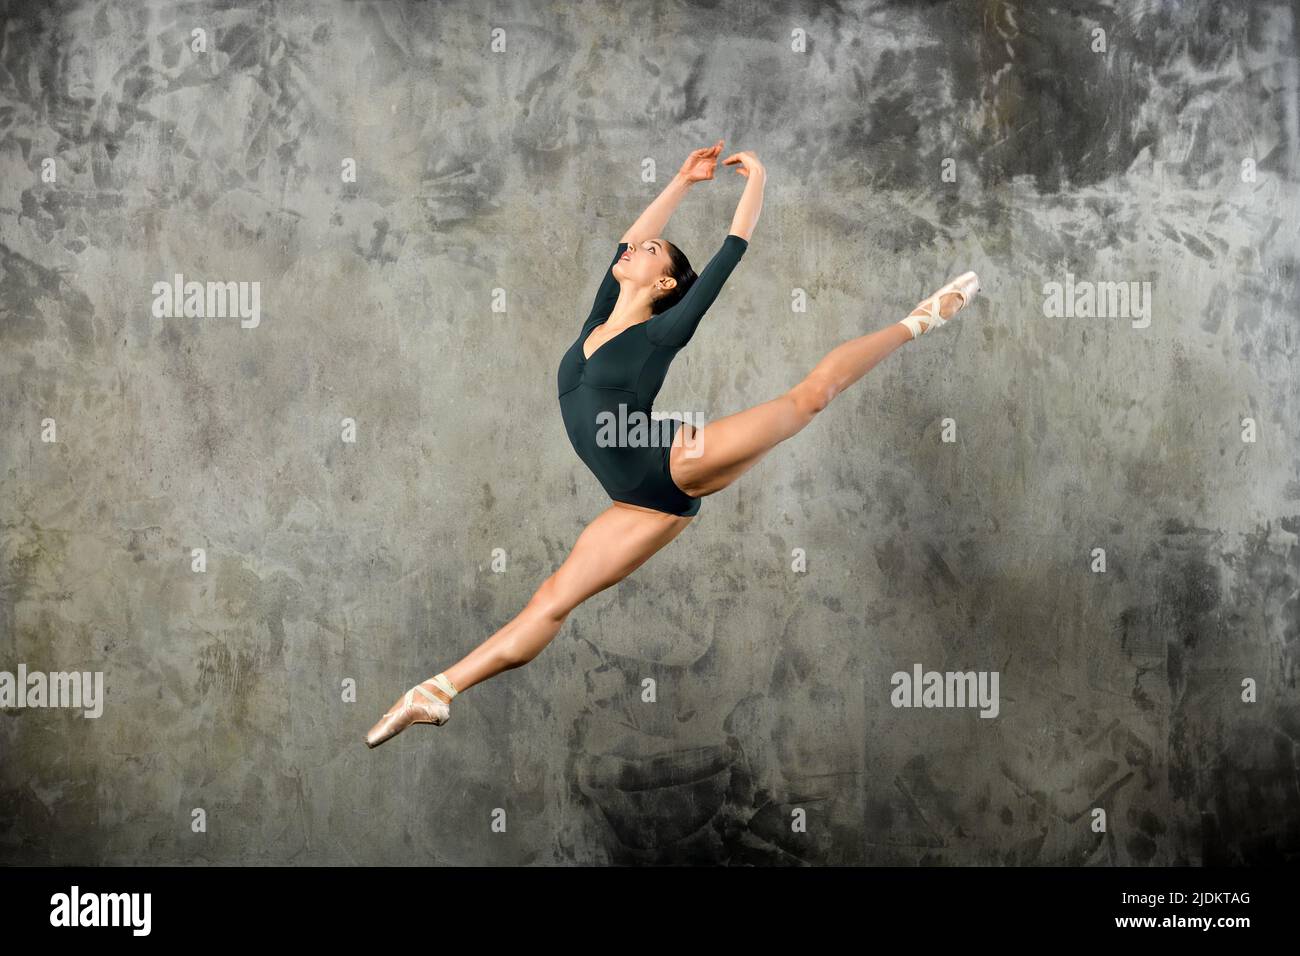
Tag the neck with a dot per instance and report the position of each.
(631, 307)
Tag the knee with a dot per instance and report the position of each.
(546, 609)
(549, 601)
(544, 613)
(812, 395)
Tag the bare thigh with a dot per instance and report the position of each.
(705, 460)
(620, 539)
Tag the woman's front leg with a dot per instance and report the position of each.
(616, 543)
(620, 540)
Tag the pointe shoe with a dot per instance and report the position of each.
(926, 316)
(427, 708)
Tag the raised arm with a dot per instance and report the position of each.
(751, 201)
(675, 326)
(698, 167)
(607, 294)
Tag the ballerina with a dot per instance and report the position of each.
(646, 309)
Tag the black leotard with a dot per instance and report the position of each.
(629, 370)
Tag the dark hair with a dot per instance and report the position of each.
(679, 267)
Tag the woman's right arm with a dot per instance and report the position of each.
(751, 201)
(607, 292)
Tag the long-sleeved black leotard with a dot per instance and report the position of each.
(628, 370)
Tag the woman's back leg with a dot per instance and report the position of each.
(708, 459)
(705, 460)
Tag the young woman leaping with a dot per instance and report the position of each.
(647, 308)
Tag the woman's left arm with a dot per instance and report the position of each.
(697, 168)
(674, 327)
(751, 201)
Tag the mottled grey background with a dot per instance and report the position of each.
(520, 171)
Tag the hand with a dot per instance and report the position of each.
(746, 163)
(700, 164)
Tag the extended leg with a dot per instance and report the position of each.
(616, 543)
(619, 541)
(726, 448)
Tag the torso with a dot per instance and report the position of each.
(593, 343)
(613, 375)
(622, 369)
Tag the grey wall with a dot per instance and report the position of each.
(519, 170)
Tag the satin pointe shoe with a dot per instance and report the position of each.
(419, 705)
(926, 316)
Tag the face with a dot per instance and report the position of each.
(646, 264)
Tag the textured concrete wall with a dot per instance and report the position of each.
(1169, 157)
